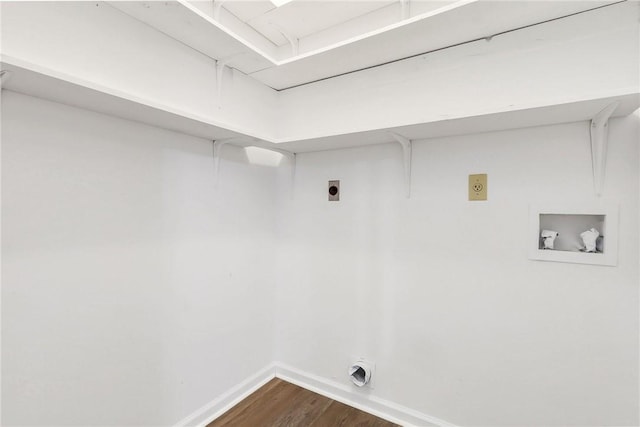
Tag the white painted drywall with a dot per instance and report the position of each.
(133, 292)
(98, 43)
(439, 291)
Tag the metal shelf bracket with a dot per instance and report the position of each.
(405, 9)
(406, 144)
(5, 75)
(221, 64)
(217, 5)
(293, 41)
(217, 150)
(599, 142)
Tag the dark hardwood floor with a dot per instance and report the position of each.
(279, 403)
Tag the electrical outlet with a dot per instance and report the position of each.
(478, 186)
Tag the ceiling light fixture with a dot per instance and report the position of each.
(278, 3)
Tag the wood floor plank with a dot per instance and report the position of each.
(341, 415)
(358, 418)
(281, 404)
(263, 406)
(303, 409)
(335, 416)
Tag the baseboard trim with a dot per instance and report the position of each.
(381, 408)
(229, 399)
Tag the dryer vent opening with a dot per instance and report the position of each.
(360, 373)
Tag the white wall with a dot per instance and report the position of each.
(133, 293)
(438, 291)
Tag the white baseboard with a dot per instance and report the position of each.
(349, 396)
(333, 390)
(228, 400)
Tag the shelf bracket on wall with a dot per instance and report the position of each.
(293, 41)
(217, 5)
(221, 64)
(405, 143)
(217, 150)
(405, 9)
(5, 75)
(599, 142)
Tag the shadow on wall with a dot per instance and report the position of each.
(261, 157)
